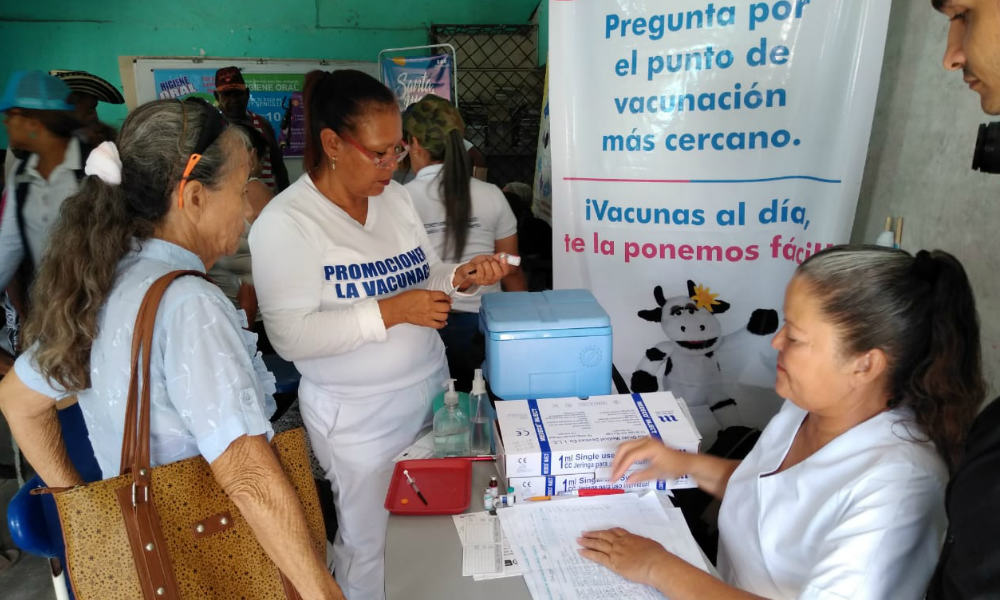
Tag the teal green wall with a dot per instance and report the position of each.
(542, 19)
(68, 34)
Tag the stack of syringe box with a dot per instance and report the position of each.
(558, 445)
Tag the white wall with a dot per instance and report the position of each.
(919, 160)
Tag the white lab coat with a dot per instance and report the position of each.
(862, 518)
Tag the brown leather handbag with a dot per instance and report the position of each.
(170, 531)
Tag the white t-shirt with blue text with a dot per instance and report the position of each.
(319, 275)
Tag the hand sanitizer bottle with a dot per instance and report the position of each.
(482, 416)
(451, 426)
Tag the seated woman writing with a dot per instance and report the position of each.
(842, 497)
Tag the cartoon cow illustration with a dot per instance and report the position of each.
(693, 359)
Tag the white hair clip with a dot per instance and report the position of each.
(104, 162)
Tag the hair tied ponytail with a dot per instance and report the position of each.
(925, 267)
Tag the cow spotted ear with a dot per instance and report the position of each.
(719, 307)
(653, 315)
(658, 294)
(691, 291)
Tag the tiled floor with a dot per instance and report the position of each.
(28, 579)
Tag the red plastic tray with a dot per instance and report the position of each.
(445, 482)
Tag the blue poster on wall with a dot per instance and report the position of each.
(413, 78)
(181, 83)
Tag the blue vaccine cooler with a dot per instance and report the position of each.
(550, 344)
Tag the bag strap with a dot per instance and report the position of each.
(27, 267)
(156, 575)
(135, 457)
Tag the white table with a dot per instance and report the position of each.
(423, 556)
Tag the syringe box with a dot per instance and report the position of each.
(560, 436)
(554, 485)
(551, 485)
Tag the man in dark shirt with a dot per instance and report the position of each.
(232, 95)
(970, 559)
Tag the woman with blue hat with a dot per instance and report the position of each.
(39, 122)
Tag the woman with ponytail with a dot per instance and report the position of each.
(352, 291)
(463, 217)
(843, 495)
(167, 196)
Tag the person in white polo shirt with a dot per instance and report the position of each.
(463, 217)
(352, 292)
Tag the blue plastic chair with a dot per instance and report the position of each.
(33, 520)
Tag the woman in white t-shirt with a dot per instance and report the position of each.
(352, 291)
(843, 495)
(464, 217)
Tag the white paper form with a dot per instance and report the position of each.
(511, 568)
(482, 544)
(543, 537)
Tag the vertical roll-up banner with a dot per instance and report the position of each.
(412, 78)
(700, 152)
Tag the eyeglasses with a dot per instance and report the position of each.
(381, 160)
(212, 126)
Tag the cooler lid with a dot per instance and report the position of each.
(550, 333)
(548, 310)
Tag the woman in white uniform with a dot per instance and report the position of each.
(843, 495)
(464, 217)
(352, 292)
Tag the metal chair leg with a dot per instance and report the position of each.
(59, 579)
(18, 466)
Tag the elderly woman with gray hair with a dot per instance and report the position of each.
(843, 495)
(172, 199)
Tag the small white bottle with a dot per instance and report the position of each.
(482, 416)
(451, 426)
